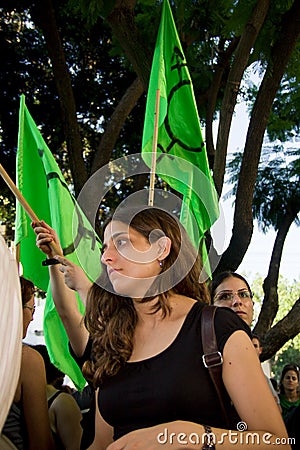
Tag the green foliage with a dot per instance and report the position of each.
(91, 10)
(289, 354)
(284, 121)
(100, 72)
(277, 184)
(7, 216)
(98, 82)
(239, 17)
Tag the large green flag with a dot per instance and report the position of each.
(43, 186)
(181, 155)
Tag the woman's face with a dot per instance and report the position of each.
(234, 294)
(290, 381)
(28, 312)
(131, 261)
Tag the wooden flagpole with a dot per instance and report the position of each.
(154, 150)
(24, 203)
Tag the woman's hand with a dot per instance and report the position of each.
(46, 239)
(75, 278)
(150, 438)
(143, 439)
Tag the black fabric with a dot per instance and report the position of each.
(88, 425)
(292, 422)
(14, 427)
(173, 385)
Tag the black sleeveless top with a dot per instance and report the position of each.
(173, 385)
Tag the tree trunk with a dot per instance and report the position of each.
(270, 303)
(44, 16)
(122, 22)
(241, 58)
(243, 219)
(224, 59)
(285, 329)
(115, 125)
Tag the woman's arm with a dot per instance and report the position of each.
(65, 278)
(248, 387)
(34, 400)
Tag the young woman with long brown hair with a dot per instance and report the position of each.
(143, 319)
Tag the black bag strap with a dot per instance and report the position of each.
(51, 399)
(212, 358)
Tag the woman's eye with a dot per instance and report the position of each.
(120, 242)
(225, 297)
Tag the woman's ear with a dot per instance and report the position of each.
(164, 247)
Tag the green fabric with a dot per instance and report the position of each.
(181, 155)
(43, 186)
(286, 405)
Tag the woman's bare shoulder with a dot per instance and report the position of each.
(31, 359)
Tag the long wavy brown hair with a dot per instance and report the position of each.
(111, 319)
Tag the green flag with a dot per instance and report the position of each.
(181, 155)
(43, 186)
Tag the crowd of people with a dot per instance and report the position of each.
(140, 348)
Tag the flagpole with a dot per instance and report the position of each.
(154, 150)
(24, 203)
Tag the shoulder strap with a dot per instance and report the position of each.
(54, 396)
(212, 358)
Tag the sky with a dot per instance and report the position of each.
(257, 258)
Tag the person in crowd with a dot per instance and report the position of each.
(289, 388)
(84, 398)
(256, 341)
(232, 290)
(290, 402)
(143, 322)
(86, 402)
(27, 424)
(275, 384)
(64, 412)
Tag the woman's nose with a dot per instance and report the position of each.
(108, 254)
(236, 299)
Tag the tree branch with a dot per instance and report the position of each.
(239, 65)
(285, 329)
(243, 219)
(212, 97)
(44, 16)
(122, 22)
(270, 302)
(116, 123)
